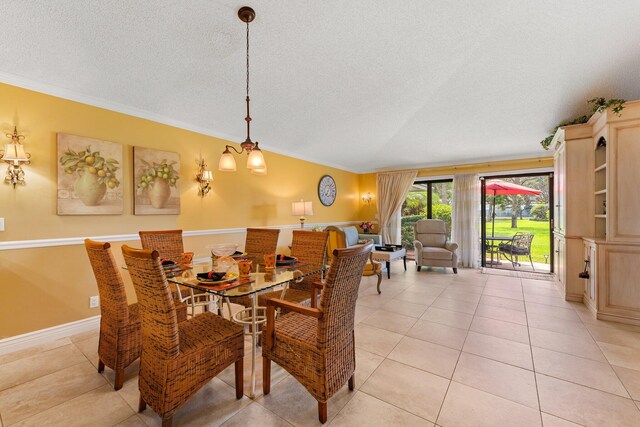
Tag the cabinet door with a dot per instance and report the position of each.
(560, 259)
(592, 268)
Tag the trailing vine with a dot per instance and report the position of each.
(598, 104)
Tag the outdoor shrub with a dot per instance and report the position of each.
(443, 212)
(540, 213)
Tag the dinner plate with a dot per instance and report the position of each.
(230, 277)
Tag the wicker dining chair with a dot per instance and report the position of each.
(316, 345)
(177, 358)
(310, 247)
(168, 243)
(170, 246)
(260, 241)
(120, 341)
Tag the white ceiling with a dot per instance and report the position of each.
(360, 85)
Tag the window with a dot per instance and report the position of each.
(426, 200)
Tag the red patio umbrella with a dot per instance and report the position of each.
(500, 188)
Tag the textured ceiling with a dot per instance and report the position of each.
(360, 85)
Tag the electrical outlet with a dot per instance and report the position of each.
(94, 301)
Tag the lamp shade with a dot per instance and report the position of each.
(227, 163)
(256, 159)
(15, 152)
(207, 176)
(259, 171)
(301, 208)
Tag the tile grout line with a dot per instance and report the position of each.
(533, 363)
(608, 361)
(456, 366)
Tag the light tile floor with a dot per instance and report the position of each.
(434, 349)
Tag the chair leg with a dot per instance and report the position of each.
(100, 366)
(119, 379)
(455, 270)
(266, 375)
(379, 281)
(167, 422)
(531, 261)
(322, 412)
(239, 378)
(352, 382)
(419, 267)
(142, 405)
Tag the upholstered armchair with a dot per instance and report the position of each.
(432, 248)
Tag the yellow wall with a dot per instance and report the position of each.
(43, 287)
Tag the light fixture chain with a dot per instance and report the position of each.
(247, 59)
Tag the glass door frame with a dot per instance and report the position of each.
(483, 213)
(430, 191)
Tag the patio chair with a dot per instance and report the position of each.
(316, 345)
(520, 245)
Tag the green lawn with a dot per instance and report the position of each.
(539, 245)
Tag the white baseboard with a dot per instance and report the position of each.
(43, 336)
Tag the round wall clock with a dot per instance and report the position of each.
(327, 190)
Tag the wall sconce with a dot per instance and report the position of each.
(15, 156)
(367, 198)
(203, 178)
(301, 209)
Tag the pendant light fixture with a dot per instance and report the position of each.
(255, 159)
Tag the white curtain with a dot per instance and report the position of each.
(392, 190)
(465, 228)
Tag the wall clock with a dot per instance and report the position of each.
(327, 190)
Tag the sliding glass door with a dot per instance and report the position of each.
(517, 222)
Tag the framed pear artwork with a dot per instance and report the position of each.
(156, 177)
(89, 176)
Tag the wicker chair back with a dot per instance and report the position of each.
(168, 243)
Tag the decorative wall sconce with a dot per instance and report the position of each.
(367, 198)
(15, 156)
(203, 178)
(301, 209)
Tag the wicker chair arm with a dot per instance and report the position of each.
(271, 315)
(291, 306)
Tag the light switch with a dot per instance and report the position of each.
(1, 224)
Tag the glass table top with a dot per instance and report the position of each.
(256, 282)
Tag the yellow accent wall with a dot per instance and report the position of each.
(43, 287)
(49, 286)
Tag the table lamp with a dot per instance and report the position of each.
(301, 209)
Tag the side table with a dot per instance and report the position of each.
(388, 256)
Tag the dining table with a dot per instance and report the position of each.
(260, 280)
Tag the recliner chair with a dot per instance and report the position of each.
(431, 246)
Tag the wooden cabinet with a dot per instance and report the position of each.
(573, 198)
(598, 192)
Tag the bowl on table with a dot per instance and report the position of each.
(212, 276)
(284, 260)
(223, 249)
